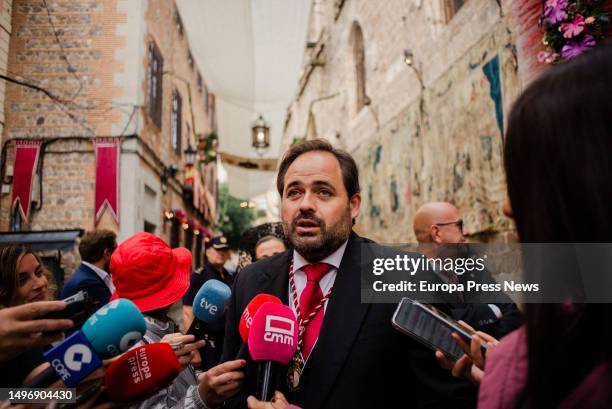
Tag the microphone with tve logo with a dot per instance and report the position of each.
(208, 306)
(249, 312)
(273, 338)
(111, 330)
(141, 373)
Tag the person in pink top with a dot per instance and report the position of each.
(558, 166)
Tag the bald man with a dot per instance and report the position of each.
(440, 223)
(436, 224)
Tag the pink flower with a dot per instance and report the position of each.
(575, 48)
(573, 28)
(547, 57)
(555, 10)
(543, 56)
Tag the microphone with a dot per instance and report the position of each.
(249, 312)
(141, 372)
(208, 307)
(111, 330)
(115, 328)
(273, 339)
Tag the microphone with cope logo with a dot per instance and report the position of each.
(141, 373)
(111, 330)
(273, 339)
(251, 309)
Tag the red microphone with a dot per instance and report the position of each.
(141, 372)
(251, 310)
(273, 338)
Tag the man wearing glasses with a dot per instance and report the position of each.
(439, 229)
(440, 232)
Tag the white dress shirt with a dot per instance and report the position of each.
(103, 275)
(326, 282)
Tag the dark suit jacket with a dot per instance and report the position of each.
(474, 308)
(84, 278)
(359, 361)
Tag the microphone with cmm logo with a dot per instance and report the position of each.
(273, 339)
(141, 373)
(111, 330)
(249, 312)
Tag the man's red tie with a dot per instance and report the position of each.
(310, 298)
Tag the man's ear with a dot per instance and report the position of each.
(355, 205)
(434, 233)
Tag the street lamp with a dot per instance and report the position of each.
(260, 134)
(190, 155)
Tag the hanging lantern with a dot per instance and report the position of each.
(260, 134)
(190, 155)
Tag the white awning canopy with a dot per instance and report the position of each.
(250, 55)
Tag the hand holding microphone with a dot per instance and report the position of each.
(278, 402)
(221, 382)
(184, 347)
(111, 330)
(20, 330)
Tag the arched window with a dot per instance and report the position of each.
(451, 7)
(360, 73)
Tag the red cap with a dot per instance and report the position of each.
(141, 372)
(148, 272)
(274, 334)
(251, 310)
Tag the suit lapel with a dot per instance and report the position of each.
(275, 280)
(343, 318)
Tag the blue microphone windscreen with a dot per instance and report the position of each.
(209, 302)
(115, 328)
(73, 359)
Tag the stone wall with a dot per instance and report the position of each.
(414, 143)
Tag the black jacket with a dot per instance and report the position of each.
(359, 361)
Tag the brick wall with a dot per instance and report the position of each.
(5, 32)
(68, 49)
(92, 57)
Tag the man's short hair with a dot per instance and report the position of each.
(94, 242)
(350, 173)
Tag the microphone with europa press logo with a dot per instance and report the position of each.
(141, 373)
(111, 330)
(273, 339)
(208, 306)
(251, 309)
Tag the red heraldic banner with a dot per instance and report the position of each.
(26, 159)
(107, 176)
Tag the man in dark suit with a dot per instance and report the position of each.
(92, 275)
(439, 229)
(351, 356)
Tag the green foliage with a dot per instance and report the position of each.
(233, 219)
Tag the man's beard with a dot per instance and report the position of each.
(329, 238)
